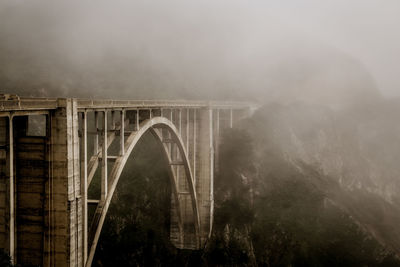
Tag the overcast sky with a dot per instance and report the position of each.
(367, 29)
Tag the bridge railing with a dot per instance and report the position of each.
(17, 103)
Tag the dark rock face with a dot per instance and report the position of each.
(353, 152)
(295, 188)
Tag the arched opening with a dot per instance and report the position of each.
(185, 228)
(136, 230)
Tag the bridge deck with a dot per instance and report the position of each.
(26, 104)
(57, 160)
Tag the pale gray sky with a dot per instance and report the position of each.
(188, 42)
(366, 29)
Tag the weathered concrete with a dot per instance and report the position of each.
(4, 209)
(62, 245)
(44, 205)
(31, 170)
(204, 157)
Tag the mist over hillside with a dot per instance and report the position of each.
(353, 154)
(310, 179)
(180, 50)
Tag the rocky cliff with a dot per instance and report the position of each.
(349, 156)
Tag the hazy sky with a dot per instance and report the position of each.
(367, 29)
(167, 36)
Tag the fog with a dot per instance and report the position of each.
(330, 52)
(310, 179)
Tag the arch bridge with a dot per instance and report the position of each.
(52, 151)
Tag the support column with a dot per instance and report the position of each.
(217, 124)
(113, 120)
(84, 186)
(177, 155)
(96, 136)
(171, 146)
(187, 129)
(4, 181)
(122, 134)
(62, 244)
(194, 145)
(104, 170)
(11, 191)
(205, 171)
(230, 118)
(180, 121)
(137, 120)
(217, 139)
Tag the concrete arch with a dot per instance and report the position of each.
(151, 125)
